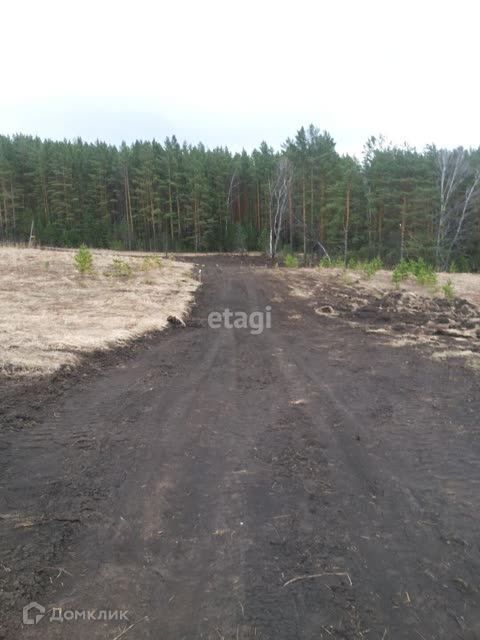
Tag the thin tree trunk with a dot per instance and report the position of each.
(304, 220)
(311, 201)
(128, 207)
(290, 216)
(14, 219)
(258, 206)
(152, 213)
(322, 211)
(195, 221)
(346, 225)
(5, 209)
(380, 228)
(179, 232)
(402, 228)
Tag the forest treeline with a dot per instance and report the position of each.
(394, 202)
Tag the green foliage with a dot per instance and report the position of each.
(240, 238)
(448, 290)
(119, 269)
(154, 196)
(401, 272)
(116, 245)
(460, 265)
(370, 267)
(83, 260)
(331, 263)
(423, 272)
(427, 277)
(419, 269)
(263, 241)
(291, 261)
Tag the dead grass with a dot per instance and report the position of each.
(50, 315)
(466, 285)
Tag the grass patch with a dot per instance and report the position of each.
(331, 263)
(370, 268)
(291, 261)
(151, 262)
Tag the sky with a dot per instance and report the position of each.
(236, 73)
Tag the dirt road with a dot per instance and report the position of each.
(308, 482)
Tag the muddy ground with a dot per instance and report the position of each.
(448, 327)
(308, 482)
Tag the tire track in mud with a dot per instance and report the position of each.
(216, 466)
(396, 496)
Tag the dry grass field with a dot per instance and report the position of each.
(50, 314)
(465, 285)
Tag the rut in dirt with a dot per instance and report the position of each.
(307, 482)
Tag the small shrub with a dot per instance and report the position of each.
(401, 272)
(423, 273)
(416, 267)
(448, 290)
(428, 278)
(291, 261)
(83, 260)
(151, 262)
(371, 267)
(119, 269)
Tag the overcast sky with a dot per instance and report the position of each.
(235, 73)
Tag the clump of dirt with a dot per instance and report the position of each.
(406, 316)
(409, 312)
(401, 313)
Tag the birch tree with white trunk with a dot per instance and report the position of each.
(459, 191)
(279, 194)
